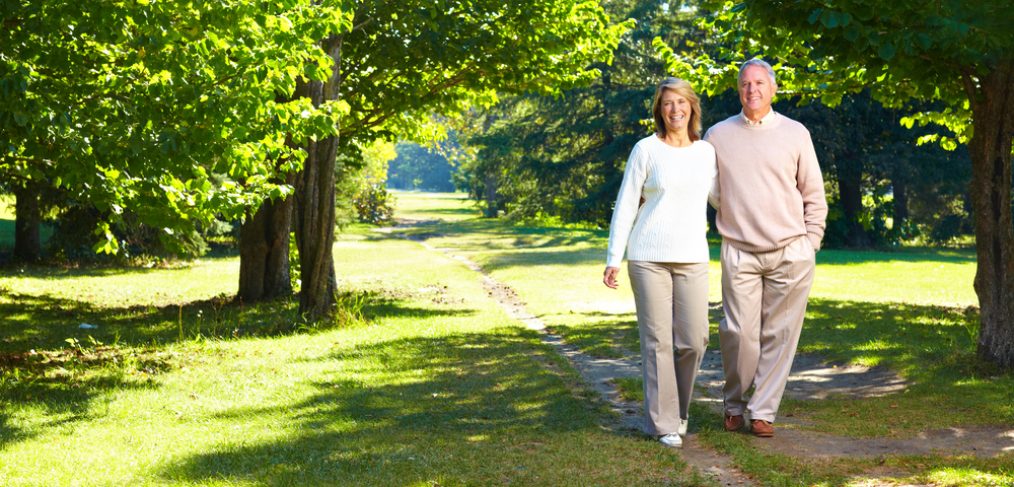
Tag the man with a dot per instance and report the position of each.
(771, 216)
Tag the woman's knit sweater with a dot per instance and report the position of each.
(671, 224)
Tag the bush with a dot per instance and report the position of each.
(373, 204)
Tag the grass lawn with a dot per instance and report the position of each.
(176, 386)
(115, 376)
(912, 310)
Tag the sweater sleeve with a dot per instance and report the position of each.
(811, 187)
(715, 193)
(627, 202)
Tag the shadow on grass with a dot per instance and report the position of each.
(506, 235)
(932, 347)
(67, 393)
(603, 338)
(534, 259)
(916, 254)
(496, 234)
(48, 361)
(47, 322)
(100, 268)
(469, 397)
(470, 211)
(912, 339)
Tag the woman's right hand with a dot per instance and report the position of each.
(609, 277)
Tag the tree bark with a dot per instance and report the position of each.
(899, 187)
(27, 223)
(489, 194)
(990, 148)
(264, 252)
(315, 203)
(850, 178)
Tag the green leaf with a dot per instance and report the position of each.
(829, 19)
(886, 51)
(815, 15)
(852, 33)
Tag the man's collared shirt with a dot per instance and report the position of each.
(765, 119)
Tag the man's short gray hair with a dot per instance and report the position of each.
(758, 62)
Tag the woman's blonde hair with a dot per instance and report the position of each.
(682, 88)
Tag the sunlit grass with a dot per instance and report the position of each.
(910, 310)
(176, 384)
(630, 388)
(854, 471)
(439, 386)
(414, 205)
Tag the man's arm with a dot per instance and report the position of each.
(811, 186)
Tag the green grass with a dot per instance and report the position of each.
(437, 387)
(630, 388)
(911, 310)
(413, 205)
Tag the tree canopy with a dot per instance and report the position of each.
(169, 110)
(957, 57)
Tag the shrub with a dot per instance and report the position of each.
(373, 204)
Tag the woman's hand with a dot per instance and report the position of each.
(609, 277)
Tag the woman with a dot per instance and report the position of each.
(660, 220)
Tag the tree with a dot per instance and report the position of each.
(563, 156)
(27, 223)
(402, 60)
(420, 167)
(957, 54)
(168, 109)
(870, 162)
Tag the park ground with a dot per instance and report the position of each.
(152, 376)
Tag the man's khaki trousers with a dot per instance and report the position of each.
(764, 298)
(672, 310)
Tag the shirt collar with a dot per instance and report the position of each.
(766, 119)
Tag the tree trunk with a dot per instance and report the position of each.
(990, 148)
(899, 187)
(27, 222)
(264, 252)
(850, 178)
(489, 194)
(315, 203)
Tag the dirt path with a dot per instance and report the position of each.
(810, 379)
(599, 374)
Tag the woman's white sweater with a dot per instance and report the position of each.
(671, 225)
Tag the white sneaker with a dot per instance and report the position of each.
(682, 429)
(672, 440)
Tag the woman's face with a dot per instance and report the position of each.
(676, 111)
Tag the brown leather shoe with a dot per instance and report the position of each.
(762, 428)
(734, 423)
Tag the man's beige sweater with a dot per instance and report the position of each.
(769, 182)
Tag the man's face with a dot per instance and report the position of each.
(756, 91)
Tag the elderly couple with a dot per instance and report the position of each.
(759, 170)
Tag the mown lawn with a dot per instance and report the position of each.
(153, 376)
(172, 384)
(912, 310)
